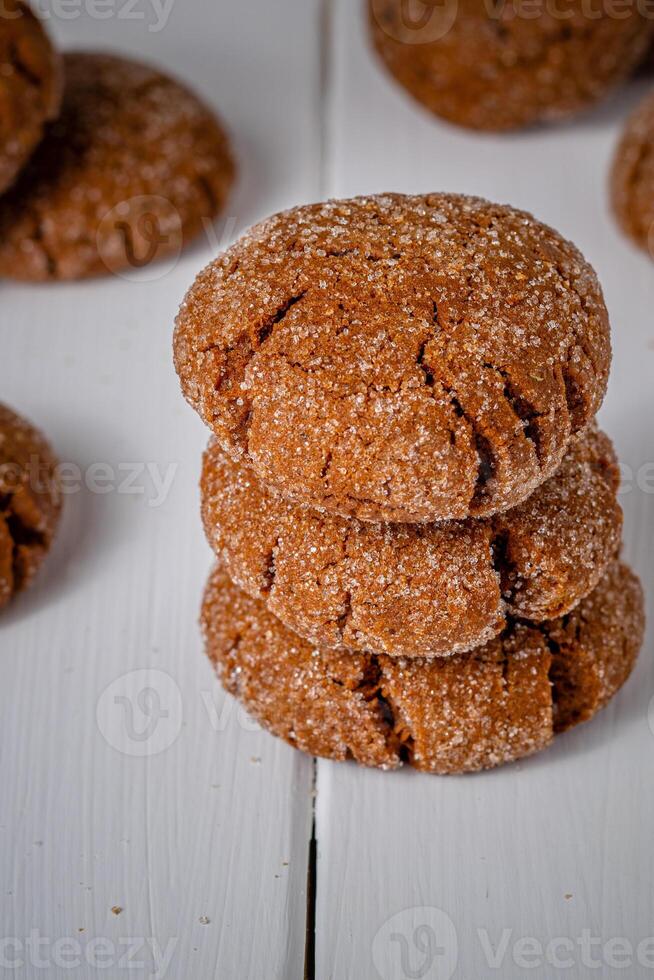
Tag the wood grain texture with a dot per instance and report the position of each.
(202, 843)
(470, 877)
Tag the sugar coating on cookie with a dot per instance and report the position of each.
(505, 66)
(30, 86)
(632, 177)
(417, 590)
(30, 502)
(475, 711)
(397, 358)
(135, 167)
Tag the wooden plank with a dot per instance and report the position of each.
(197, 827)
(501, 865)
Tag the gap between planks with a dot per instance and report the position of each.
(325, 25)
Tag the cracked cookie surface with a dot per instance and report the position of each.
(508, 66)
(417, 590)
(396, 358)
(130, 172)
(30, 86)
(499, 703)
(30, 502)
(632, 177)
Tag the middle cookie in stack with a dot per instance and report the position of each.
(402, 391)
(417, 590)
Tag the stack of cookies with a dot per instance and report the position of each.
(414, 511)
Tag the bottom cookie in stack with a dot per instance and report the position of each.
(496, 704)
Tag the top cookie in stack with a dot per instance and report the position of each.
(404, 359)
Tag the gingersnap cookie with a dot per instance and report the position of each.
(132, 171)
(632, 177)
(474, 711)
(505, 66)
(397, 358)
(30, 502)
(417, 590)
(30, 86)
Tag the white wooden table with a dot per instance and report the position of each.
(144, 820)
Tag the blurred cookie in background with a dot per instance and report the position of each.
(632, 177)
(30, 86)
(506, 65)
(30, 502)
(132, 171)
